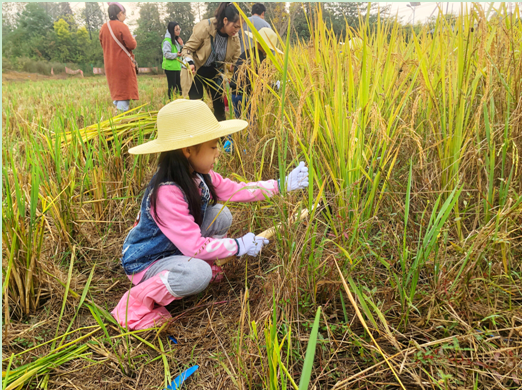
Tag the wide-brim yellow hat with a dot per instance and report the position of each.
(184, 123)
(269, 36)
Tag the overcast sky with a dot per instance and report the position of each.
(422, 12)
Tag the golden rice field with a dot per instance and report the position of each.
(407, 274)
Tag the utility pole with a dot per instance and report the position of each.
(412, 6)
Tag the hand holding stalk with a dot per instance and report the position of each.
(298, 178)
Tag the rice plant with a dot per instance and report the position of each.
(411, 250)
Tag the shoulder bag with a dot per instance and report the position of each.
(123, 48)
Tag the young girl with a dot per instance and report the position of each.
(181, 230)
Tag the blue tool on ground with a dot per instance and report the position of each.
(173, 339)
(176, 383)
(228, 146)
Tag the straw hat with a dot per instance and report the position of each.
(184, 123)
(269, 36)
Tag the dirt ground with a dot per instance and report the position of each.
(24, 76)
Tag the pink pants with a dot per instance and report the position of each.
(142, 307)
(171, 278)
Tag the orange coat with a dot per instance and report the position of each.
(120, 71)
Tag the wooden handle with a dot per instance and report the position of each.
(268, 233)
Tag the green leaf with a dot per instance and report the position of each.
(310, 354)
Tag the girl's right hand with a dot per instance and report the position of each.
(250, 244)
(193, 68)
(298, 178)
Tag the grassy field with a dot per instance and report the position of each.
(408, 273)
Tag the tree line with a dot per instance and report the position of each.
(54, 32)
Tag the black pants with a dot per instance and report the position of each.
(174, 81)
(205, 79)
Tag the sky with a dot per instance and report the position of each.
(426, 9)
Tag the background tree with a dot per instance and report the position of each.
(246, 7)
(212, 6)
(31, 27)
(61, 10)
(63, 41)
(93, 17)
(181, 13)
(64, 9)
(149, 35)
(57, 32)
(34, 31)
(339, 15)
(52, 9)
(277, 16)
(299, 13)
(83, 45)
(34, 20)
(198, 9)
(11, 12)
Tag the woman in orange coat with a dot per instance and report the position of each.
(119, 68)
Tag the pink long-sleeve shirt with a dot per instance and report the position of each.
(179, 226)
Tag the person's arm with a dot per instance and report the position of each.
(178, 225)
(227, 189)
(167, 51)
(127, 39)
(237, 52)
(194, 43)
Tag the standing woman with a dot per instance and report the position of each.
(117, 43)
(171, 47)
(214, 44)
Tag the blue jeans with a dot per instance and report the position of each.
(237, 101)
(121, 105)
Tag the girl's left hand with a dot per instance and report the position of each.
(298, 178)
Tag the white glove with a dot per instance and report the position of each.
(250, 244)
(298, 178)
(278, 84)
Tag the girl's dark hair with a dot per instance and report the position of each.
(173, 166)
(170, 28)
(114, 10)
(226, 10)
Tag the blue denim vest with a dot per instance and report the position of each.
(146, 243)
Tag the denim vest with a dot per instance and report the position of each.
(146, 243)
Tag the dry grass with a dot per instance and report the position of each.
(441, 302)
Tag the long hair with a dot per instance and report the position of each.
(114, 10)
(226, 10)
(174, 167)
(170, 28)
